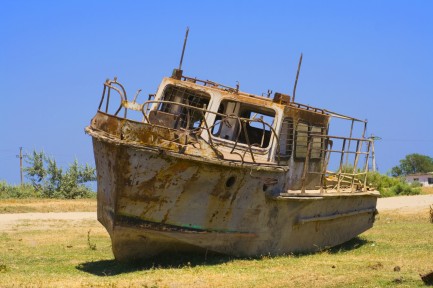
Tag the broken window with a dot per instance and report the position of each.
(244, 123)
(305, 133)
(177, 116)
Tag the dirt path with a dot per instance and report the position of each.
(402, 203)
(407, 203)
(5, 218)
(9, 220)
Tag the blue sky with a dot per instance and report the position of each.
(368, 59)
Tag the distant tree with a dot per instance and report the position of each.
(412, 164)
(36, 172)
(52, 182)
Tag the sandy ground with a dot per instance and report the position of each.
(8, 221)
(402, 203)
(407, 203)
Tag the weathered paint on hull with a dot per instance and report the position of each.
(151, 202)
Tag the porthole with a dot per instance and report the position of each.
(231, 181)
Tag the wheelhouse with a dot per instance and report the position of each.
(220, 123)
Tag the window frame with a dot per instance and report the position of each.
(290, 139)
(164, 107)
(244, 146)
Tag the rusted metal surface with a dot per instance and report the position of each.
(212, 168)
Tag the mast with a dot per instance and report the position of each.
(177, 73)
(297, 76)
(183, 49)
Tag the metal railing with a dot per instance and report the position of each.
(348, 176)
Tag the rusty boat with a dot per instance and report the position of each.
(206, 167)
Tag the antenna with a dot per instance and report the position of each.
(297, 76)
(183, 49)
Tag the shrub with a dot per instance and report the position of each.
(17, 191)
(416, 184)
(391, 186)
(404, 189)
(52, 182)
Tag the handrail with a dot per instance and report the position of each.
(356, 177)
(211, 84)
(121, 91)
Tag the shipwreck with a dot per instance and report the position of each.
(207, 167)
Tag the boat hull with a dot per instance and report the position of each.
(151, 201)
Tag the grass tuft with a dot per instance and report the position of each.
(92, 246)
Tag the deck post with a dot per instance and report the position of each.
(306, 164)
(350, 136)
(355, 164)
(325, 162)
(343, 147)
(366, 165)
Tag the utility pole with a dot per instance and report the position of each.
(374, 157)
(374, 138)
(21, 164)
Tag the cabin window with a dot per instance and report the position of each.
(244, 123)
(301, 140)
(303, 130)
(430, 180)
(180, 116)
(286, 138)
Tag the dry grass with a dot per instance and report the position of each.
(33, 256)
(47, 205)
(426, 190)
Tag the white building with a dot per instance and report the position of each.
(426, 179)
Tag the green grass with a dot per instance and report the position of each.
(59, 254)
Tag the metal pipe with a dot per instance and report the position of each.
(366, 166)
(341, 165)
(365, 129)
(102, 98)
(350, 136)
(355, 165)
(326, 157)
(108, 99)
